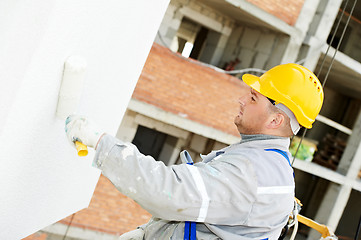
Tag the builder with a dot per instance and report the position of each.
(244, 191)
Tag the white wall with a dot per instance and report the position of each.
(42, 180)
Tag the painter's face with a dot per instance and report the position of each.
(253, 112)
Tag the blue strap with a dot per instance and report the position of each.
(283, 153)
(193, 231)
(190, 230)
(186, 230)
(189, 227)
(219, 153)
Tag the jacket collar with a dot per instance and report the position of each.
(265, 141)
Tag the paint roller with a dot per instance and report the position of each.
(70, 92)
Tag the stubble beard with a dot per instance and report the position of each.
(243, 129)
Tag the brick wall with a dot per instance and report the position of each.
(184, 87)
(37, 236)
(285, 10)
(109, 211)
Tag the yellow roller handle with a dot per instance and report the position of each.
(81, 149)
(325, 232)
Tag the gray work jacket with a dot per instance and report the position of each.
(244, 191)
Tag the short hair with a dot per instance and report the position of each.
(286, 125)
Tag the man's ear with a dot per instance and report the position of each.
(276, 121)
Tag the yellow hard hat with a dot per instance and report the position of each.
(292, 85)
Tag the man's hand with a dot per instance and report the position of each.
(79, 128)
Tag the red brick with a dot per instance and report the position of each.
(285, 10)
(181, 85)
(109, 211)
(37, 236)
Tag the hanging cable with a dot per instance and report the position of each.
(299, 145)
(332, 60)
(339, 43)
(333, 37)
(67, 229)
(358, 229)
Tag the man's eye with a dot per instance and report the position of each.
(253, 99)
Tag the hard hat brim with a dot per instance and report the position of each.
(252, 81)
